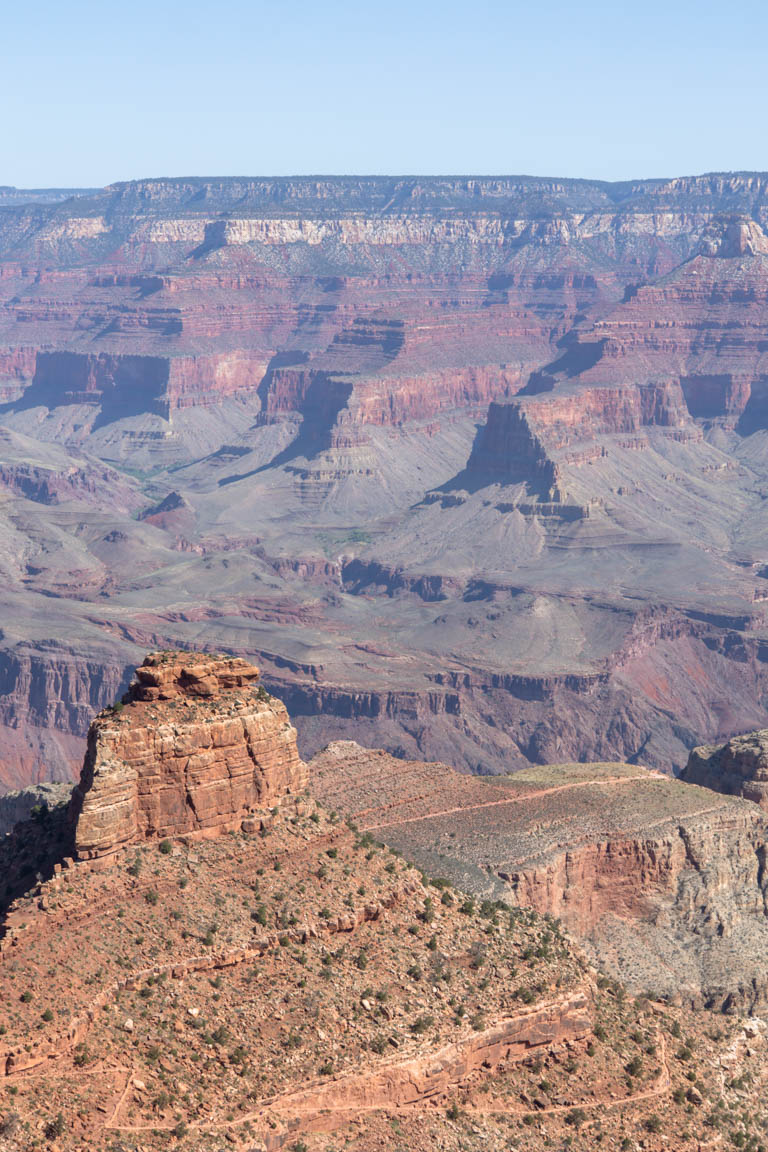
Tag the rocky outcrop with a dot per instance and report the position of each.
(738, 768)
(434, 1076)
(195, 747)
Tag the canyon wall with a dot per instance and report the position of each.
(432, 451)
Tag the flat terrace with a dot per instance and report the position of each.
(478, 827)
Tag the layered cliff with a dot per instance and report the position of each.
(663, 883)
(497, 423)
(195, 746)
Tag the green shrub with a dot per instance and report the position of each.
(55, 1128)
(422, 1024)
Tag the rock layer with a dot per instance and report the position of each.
(664, 884)
(244, 414)
(738, 768)
(195, 747)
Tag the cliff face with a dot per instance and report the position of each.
(737, 768)
(194, 748)
(664, 884)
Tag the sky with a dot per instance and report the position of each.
(101, 92)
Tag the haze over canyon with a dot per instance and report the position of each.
(475, 468)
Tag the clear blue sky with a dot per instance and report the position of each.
(100, 91)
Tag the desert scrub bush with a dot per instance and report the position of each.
(151, 897)
(576, 1117)
(427, 914)
(165, 847)
(55, 1128)
(422, 1024)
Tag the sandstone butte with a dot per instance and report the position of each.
(247, 970)
(194, 746)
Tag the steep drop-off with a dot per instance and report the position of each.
(662, 882)
(472, 467)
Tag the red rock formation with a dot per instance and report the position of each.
(196, 748)
(527, 438)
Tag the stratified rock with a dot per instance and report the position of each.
(195, 747)
(662, 883)
(738, 768)
(731, 236)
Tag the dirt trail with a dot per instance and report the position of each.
(610, 780)
(325, 1106)
(422, 1076)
